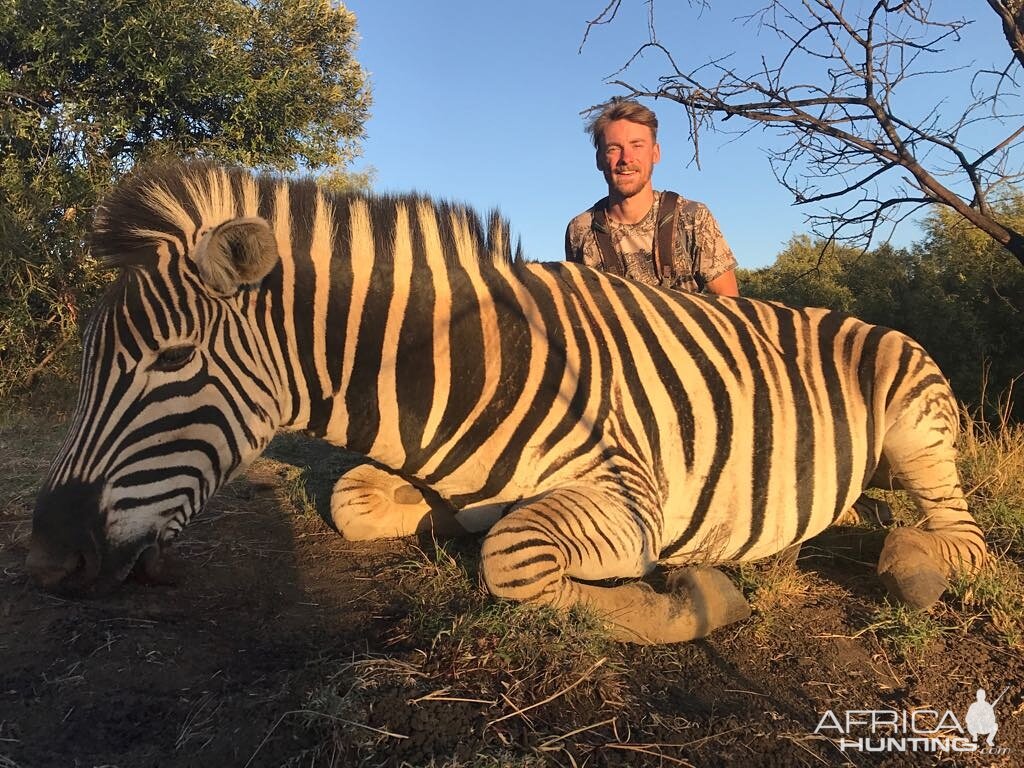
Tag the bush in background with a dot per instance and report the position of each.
(89, 88)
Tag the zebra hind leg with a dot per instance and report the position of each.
(917, 562)
(540, 551)
(369, 502)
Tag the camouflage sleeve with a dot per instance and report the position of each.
(571, 249)
(575, 239)
(714, 257)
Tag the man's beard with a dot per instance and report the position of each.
(627, 186)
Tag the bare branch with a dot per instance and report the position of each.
(607, 16)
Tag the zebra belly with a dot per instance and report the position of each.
(722, 545)
(732, 531)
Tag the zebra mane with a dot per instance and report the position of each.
(179, 201)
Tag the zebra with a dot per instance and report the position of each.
(593, 427)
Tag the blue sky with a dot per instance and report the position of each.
(479, 102)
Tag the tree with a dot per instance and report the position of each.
(89, 88)
(831, 93)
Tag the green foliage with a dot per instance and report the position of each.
(91, 87)
(803, 274)
(347, 181)
(955, 292)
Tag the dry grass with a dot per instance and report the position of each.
(992, 468)
(540, 648)
(295, 487)
(995, 597)
(27, 443)
(513, 682)
(991, 463)
(907, 631)
(776, 583)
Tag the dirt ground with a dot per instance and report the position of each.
(282, 644)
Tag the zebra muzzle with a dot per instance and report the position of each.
(70, 552)
(79, 571)
(62, 569)
(66, 552)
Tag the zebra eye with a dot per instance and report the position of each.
(173, 358)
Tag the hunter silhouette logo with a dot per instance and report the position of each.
(922, 729)
(981, 717)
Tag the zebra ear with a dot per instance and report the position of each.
(236, 253)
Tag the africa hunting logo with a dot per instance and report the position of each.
(915, 730)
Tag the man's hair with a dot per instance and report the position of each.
(621, 108)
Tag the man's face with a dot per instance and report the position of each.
(626, 155)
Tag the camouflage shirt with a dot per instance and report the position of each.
(701, 253)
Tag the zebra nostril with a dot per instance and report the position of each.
(48, 571)
(61, 570)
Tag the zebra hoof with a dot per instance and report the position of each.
(909, 568)
(711, 596)
(701, 601)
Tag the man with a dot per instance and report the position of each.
(658, 238)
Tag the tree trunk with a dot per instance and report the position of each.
(1011, 13)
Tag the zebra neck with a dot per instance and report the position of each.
(394, 340)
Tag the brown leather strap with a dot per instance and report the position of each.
(610, 258)
(662, 247)
(665, 236)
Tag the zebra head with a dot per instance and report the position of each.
(178, 387)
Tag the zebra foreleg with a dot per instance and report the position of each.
(539, 552)
(368, 502)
